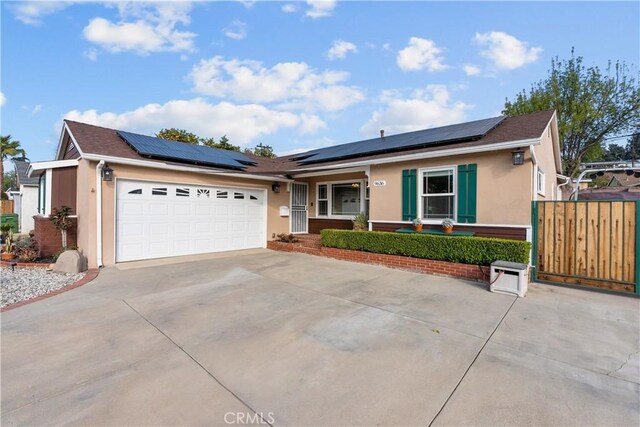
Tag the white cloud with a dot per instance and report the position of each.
(3, 99)
(320, 8)
(91, 54)
(237, 30)
(290, 8)
(36, 109)
(426, 108)
(247, 3)
(340, 49)
(290, 85)
(421, 54)
(143, 28)
(31, 12)
(506, 51)
(311, 124)
(243, 124)
(471, 70)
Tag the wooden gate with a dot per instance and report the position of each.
(589, 243)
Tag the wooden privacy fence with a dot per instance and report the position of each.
(6, 206)
(590, 243)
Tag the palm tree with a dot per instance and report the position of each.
(10, 150)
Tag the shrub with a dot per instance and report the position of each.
(286, 238)
(26, 249)
(360, 222)
(465, 250)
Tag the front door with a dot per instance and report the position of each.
(299, 207)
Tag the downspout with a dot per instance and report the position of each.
(99, 213)
(567, 180)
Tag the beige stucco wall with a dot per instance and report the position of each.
(504, 190)
(87, 202)
(546, 162)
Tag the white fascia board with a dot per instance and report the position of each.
(73, 139)
(432, 154)
(53, 164)
(332, 172)
(167, 166)
(65, 129)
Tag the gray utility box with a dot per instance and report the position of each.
(509, 278)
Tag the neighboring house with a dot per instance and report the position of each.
(168, 198)
(622, 180)
(25, 198)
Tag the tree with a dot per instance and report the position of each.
(60, 219)
(180, 135)
(222, 144)
(9, 181)
(633, 146)
(614, 152)
(262, 150)
(10, 149)
(590, 105)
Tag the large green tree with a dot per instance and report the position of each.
(182, 135)
(10, 149)
(591, 105)
(262, 150)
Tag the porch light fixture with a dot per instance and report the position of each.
(518, 157)
(275, 187)
(107, 173)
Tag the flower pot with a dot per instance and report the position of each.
(7, 256)
(447, 230)
(418, 227)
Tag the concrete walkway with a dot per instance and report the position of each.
(303, 340)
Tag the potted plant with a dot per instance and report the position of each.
(447, 225)
(361, 222)
(417, 224)
(8, 254)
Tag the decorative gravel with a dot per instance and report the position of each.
(26, 283)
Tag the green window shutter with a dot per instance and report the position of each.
(467, 193)
(472, 192)
(409, 194)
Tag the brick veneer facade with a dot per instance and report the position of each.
(49, 238)
(439, 268)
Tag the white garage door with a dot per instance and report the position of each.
(156, 220)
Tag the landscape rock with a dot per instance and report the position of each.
(70, 262)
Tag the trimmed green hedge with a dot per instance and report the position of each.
(465, 250)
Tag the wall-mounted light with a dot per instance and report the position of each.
(518, 157)
(275, 187)
(107, 173)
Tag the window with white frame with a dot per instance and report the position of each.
(541, 182)
(340, 199)
(438, 194)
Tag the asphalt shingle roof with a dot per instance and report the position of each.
(103, 141)
(21, 173)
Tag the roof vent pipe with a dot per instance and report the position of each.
(381, 133)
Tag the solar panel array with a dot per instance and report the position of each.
(423, 138)
(158, 148)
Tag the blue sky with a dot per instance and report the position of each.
(293, 75)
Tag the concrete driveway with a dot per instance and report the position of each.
(303, 340)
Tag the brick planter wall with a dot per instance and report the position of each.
(439, 268)
(49, 238)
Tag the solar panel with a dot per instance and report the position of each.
(158, 148)
(423, 138)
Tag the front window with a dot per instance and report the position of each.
(438, 194)
(345, 199)
(340, 199)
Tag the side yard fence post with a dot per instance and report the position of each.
(534, 240)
